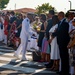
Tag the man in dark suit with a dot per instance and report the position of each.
(50, 15)
(62, 40)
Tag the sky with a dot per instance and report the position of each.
(60, 5)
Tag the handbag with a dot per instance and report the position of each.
(36, 55)
(72, 42)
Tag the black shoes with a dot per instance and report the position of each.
(49, 65)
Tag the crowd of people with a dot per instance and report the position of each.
(53, 35)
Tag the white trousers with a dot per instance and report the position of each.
(1, 34)
(22, 47)
(5, 39)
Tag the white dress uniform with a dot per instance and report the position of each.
(25, 32)
(32, 44)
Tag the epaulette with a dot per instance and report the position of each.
(27, 20)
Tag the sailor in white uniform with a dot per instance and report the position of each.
(25, 33)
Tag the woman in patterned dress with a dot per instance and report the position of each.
(71, 45)
(12, 29)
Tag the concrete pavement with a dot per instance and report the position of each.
(9, 65)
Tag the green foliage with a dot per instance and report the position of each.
(3, 3)
(44, 8)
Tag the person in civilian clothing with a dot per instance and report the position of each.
(63, 40)
(69, 18)
(50, 24)
(11, 29)
(41, 35)
(71, 46)
(54, 46)
(6, 22)
(18, 28)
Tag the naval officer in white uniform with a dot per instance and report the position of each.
(25, 33)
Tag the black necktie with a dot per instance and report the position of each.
(59, 24)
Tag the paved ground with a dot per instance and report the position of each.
(9, 65)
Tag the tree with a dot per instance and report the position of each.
(44, 8)
(3, 3)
